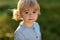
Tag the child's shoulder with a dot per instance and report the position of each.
(36, 23)
(19, 28)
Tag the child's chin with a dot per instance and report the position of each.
(30, 21)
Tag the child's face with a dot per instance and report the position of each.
(29, 15)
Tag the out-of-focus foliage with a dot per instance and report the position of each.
(49, 19)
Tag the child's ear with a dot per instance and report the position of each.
(39, 12)
(21, 15)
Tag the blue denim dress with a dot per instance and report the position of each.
(27, 33)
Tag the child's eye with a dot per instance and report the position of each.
(34, 12)
(26, 12)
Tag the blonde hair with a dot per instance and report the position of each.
(23, 4)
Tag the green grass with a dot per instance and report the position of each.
(49, 19)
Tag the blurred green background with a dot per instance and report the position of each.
(49, 19)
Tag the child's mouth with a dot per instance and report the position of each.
(30, 19)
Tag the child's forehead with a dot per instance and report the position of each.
(30, 8)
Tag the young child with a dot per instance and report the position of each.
(28, 29)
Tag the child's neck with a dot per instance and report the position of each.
(28, 24)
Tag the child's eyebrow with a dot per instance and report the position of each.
(35, 9)
(26, 10)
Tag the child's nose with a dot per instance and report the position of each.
(30, 14)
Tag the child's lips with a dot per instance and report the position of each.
(30, 19)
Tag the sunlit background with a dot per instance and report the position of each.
(49, 19)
